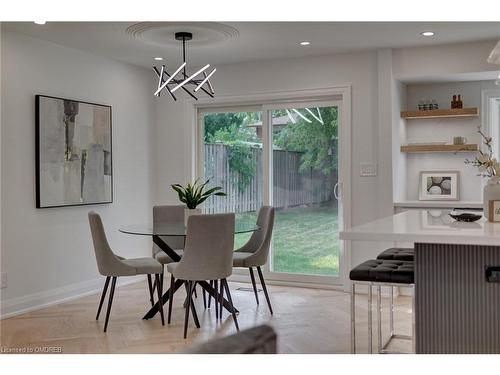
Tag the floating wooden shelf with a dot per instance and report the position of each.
(440, 148)
(440, 113)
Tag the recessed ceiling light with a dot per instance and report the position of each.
(158, 58)
(305, 43)
(427, 33)
(40, 22)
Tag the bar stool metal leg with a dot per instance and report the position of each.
(391, 316)
(353, 319)
(393, 334)
(379, 318)
(414, 339)
(370, 339)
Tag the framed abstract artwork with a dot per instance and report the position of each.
(74, 158)
(438, 185)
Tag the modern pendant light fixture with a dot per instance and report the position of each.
(190, 84)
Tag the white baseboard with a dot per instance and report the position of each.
(21, 305)
(241, 278)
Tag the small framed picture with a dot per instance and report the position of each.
(438, 185)
(494, 211)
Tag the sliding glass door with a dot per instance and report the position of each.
(285, 155)
(304, 190)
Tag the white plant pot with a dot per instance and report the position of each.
(491, 192)
(188, 212)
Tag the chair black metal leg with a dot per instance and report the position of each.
(228, 293)
(263, 283)
(254, 285)
(204, 298)
(104, 290)
(110, 301)
(221, 299)
(186, 315)
(171, 297)
(151, 288)
(210, 296)
(194, 289)
(216, 300)
(159, 284)
(193, 308)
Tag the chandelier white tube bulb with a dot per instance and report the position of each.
(190, 78)
(207, 77)
(169, 79)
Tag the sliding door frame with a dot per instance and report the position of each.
(269, 187)
(333, 96)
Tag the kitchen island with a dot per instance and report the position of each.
(457, 278)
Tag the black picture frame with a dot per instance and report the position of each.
(38, 199)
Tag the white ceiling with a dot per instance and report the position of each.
(255, 40)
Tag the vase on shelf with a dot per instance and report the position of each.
(190, 211)
(491, 192)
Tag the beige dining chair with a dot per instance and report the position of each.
(207, 256)
(113, 266)
(256, 251)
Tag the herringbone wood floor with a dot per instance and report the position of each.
(306, 320)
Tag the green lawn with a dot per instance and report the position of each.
(305, 240)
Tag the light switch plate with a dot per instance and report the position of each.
(3, 280)
(368, 169)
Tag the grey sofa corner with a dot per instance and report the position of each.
(258, 340)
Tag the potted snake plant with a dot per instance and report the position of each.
(192, 195)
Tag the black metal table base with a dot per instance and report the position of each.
(178, 283)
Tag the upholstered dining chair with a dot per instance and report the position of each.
(113, 266)
(207, 256)
(256, 251)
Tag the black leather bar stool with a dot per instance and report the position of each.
(398, 253)
(379, 273)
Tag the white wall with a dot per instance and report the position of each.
(443, 60)
(399, 159)
(48, 252)
(385, 113)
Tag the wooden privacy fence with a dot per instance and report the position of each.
(291, 187)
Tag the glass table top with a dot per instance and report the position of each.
(178, 229)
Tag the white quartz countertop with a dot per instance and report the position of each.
(426, 226)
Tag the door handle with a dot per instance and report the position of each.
(336, 190)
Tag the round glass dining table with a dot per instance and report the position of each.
(178, 229)
(157, 230)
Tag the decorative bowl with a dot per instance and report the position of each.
(467, 217)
